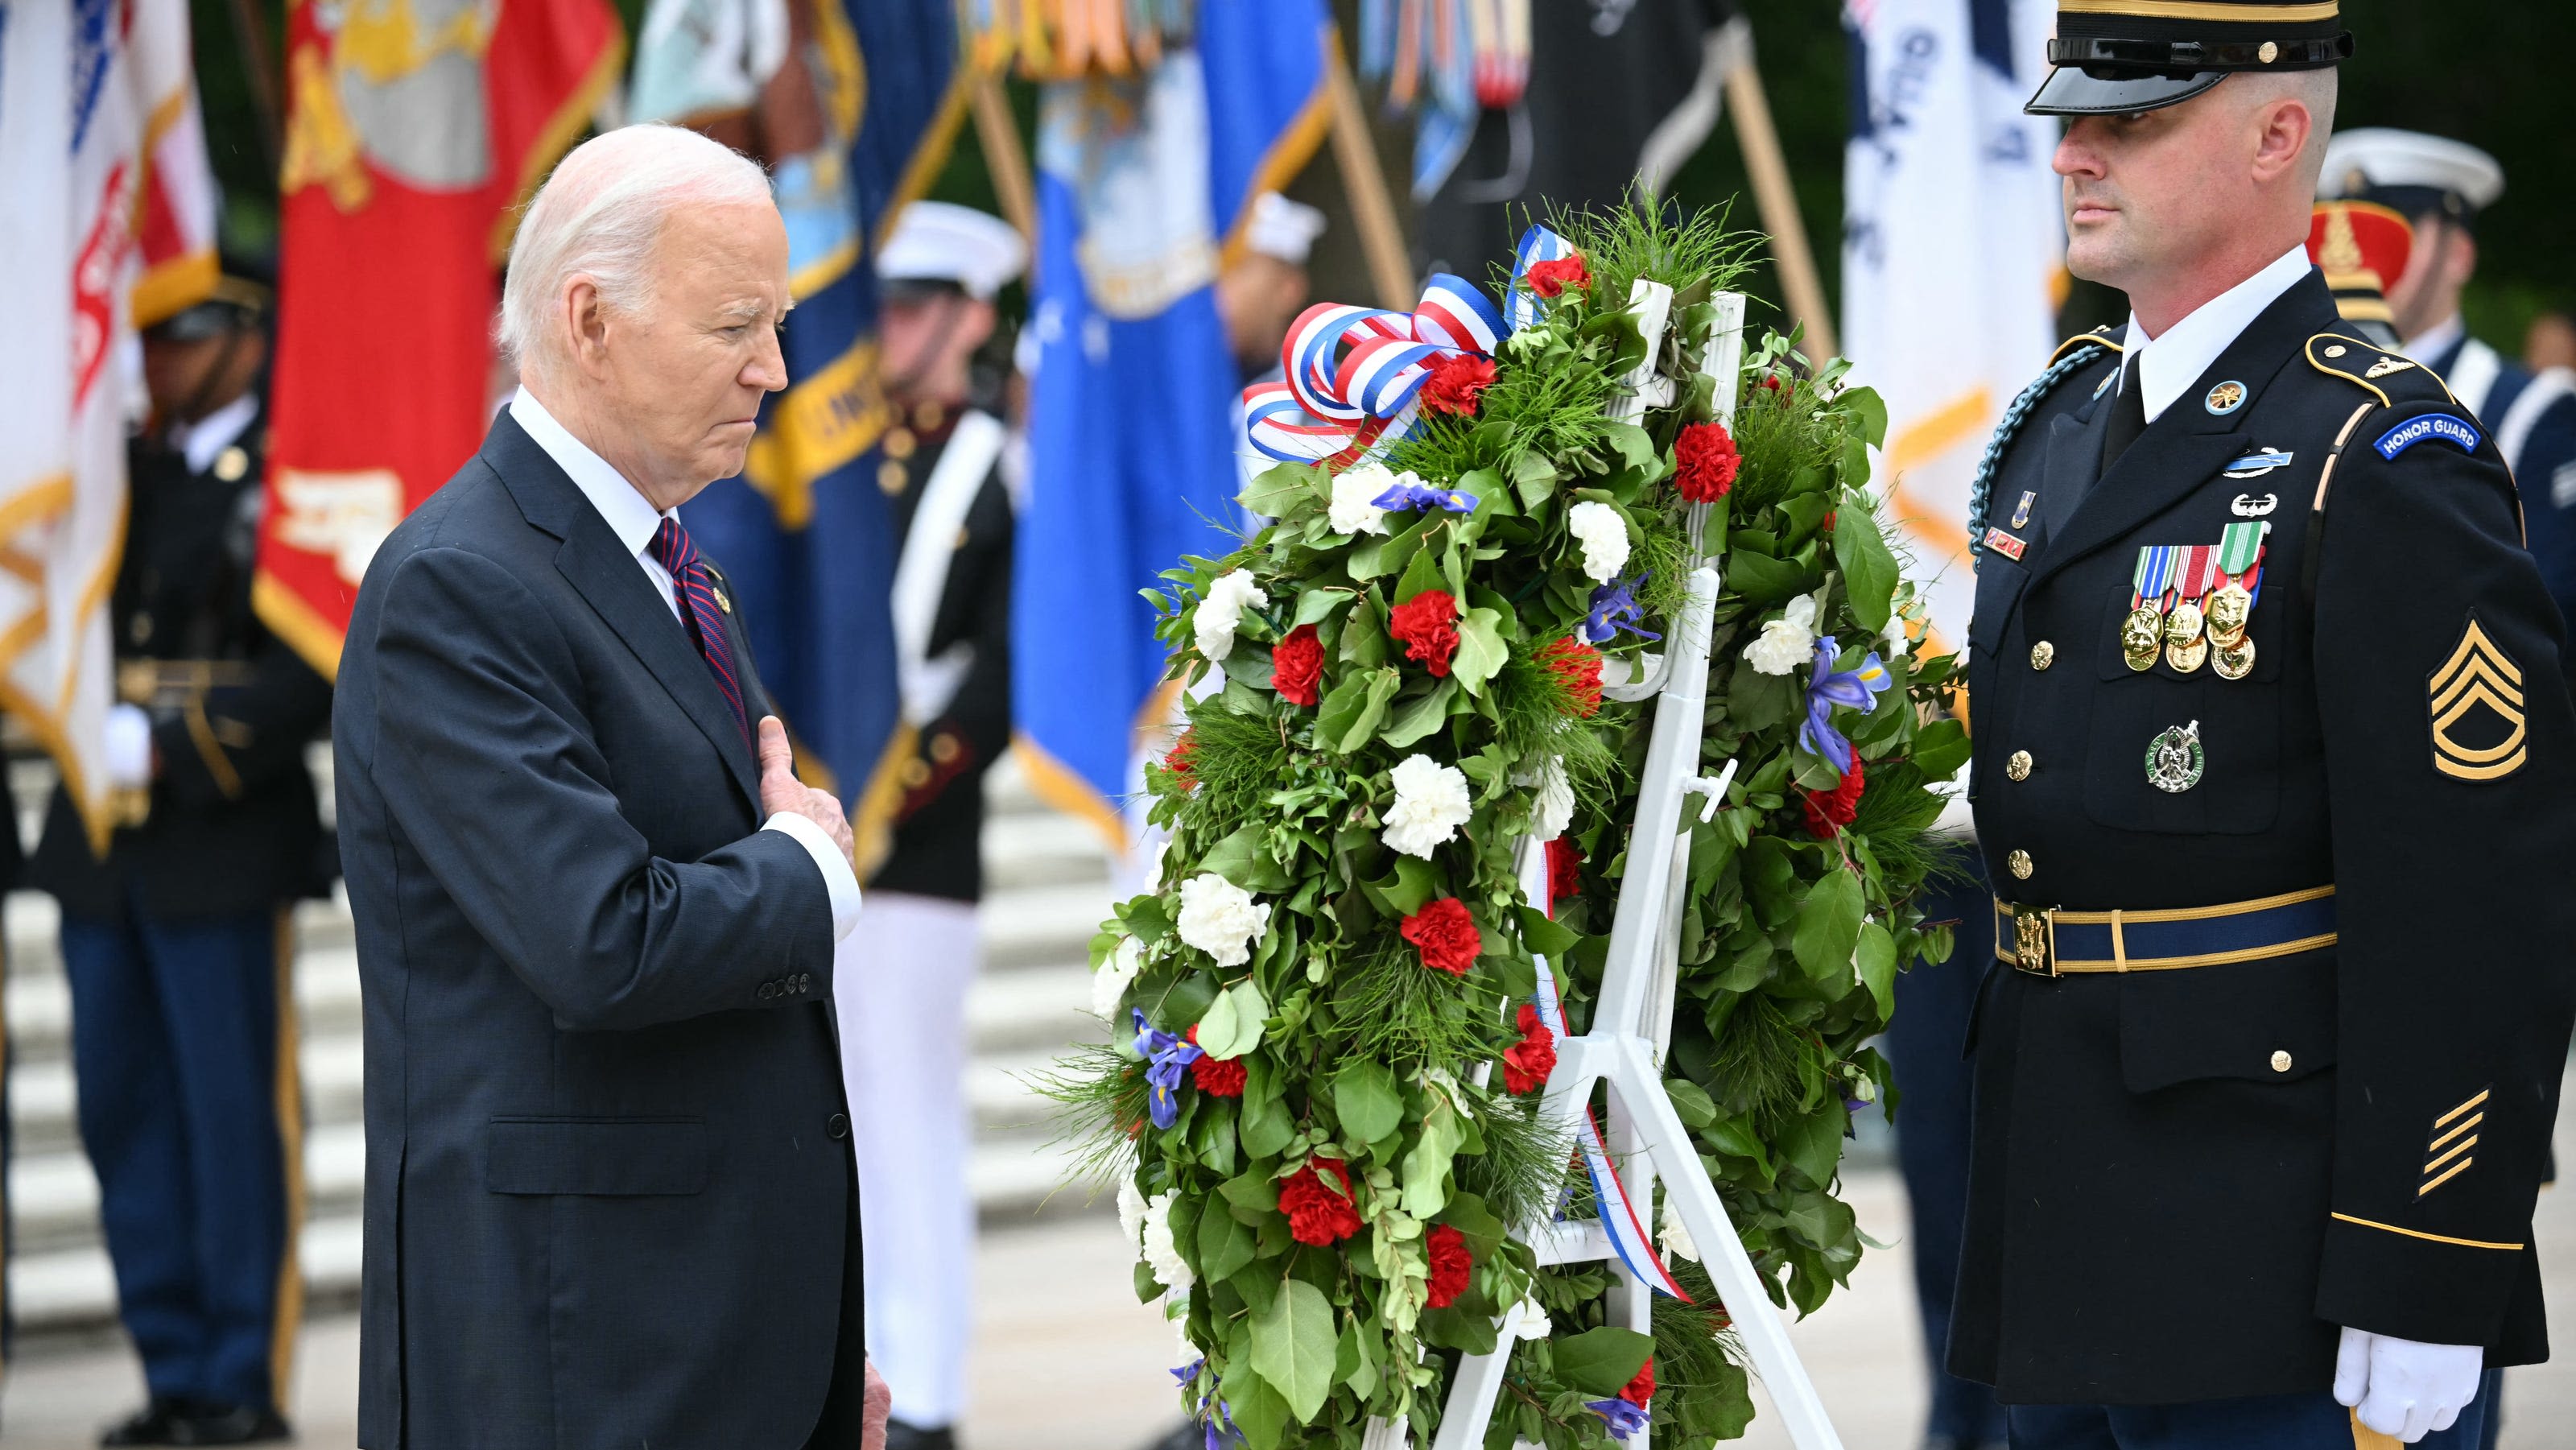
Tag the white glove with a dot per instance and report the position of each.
(2403, 1388)
(127, 749)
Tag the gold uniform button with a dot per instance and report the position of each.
(899, 443)
(141, 627)
(943, 748)
(231, 464)
(2042, 655)
(2280, 1061)
(892, 476)
(2335, 351)
(2018, 767)
(2018, 863)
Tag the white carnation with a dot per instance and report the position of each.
(1220, 919)
(1110, 982)
(1553, 811)
(1161, 1254)
(1355, 496)
(1131, 1211)
(1221, 611)
(1788, 641)
(1528, 1320)
(1604, 536)
(1430, 805)
(1899, 621)
(1675, 1235)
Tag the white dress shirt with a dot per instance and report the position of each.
(633, 519)
(200, 441)
(2428, 344)
(2166, 366)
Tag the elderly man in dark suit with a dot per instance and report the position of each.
(610, 1198)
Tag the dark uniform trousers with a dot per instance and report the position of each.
(176, 946)
(2185, 1180)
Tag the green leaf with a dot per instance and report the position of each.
(1416, 881)
(1244, 859)
(1414, 721)
(1940, 748)
(1259, 1411)
(1364, 641)
(1877, 963)
(1365, 1099)
(1423, 573)
(1635, 447)
(1426, 1165)
(1829, 926)
(1868, 410)
(1600, 1362)
(1869, 571)
(1232, 1026)
(1292, 1347)
(1534, 478)
(1225, 1245)
(1814, 1143)
(1360, 717)
(1690, 1102)
(1545, 937)
(1455, 1328)
(1481, 651)
(1493, 496)
(1255, 1193)
(1316, 605)
(1277, 491)
(1265, 1127)
(1765, 581)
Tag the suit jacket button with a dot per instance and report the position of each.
(768, 990)
(2042, 655)
(2018, 767)
(2019, 864)
(2280, 1061)
(838, 1127)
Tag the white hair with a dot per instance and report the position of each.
(599, 214)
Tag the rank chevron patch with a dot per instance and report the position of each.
(2478, 674)
(2447, 1156)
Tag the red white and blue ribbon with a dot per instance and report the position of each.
(1524, 306)
(1352, 372)
(1619, 1215)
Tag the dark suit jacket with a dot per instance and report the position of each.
(609, 1185)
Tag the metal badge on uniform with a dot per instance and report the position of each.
(2453, 431)
(2021, 511)
(2385, 366)
(721, 601)
(2005, 544)
(2226, 398)
(231, 464)
(2254, 506)
(2174, 759)
(2259, 462)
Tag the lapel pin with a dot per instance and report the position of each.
(2021, 513)
(2259, 462)
(2226, 398)
(721, 602)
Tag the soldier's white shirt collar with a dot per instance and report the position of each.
(2437, 339)
(200, 441)
(628, 514)
(2167, 366)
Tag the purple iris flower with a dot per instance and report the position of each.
(1422, 495)
(1625, 1419)
(1614, 608)
(1856, 689)
(1166, 1058)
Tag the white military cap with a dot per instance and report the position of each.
(1282, 228)
(938, 241)
(2410, 171)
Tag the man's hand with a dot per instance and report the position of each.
(2403, 1388)
(782, 793)
(875, 1405)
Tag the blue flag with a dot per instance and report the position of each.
(1143, 182)
(805, 533)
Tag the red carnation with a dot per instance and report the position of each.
(1528, 1062)
(1296, 663)
(1642, 1388)
(1578, 666)
(1705, 462)
(1454, 385)
(1771, 381)
(1446, 936)
(1216, 1079)
(1427, 626)
(1317, 1214)
(1547, 279)
(1181, 759)
(1564, 872)
(1829, 811)
(1450, 1262)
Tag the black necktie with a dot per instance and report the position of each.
(2128, 419)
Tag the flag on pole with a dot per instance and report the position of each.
(1144, 179)
(1953, 252)
(415, 132)
(854, 114)
(108, 227)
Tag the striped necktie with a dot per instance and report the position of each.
(695, 589)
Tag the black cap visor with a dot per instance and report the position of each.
(2074, 91)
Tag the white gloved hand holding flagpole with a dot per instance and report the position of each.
(2403, 1388)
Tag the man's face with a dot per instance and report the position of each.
(685, 377)
(2145, 192)
(927, 341)
(2437, 267)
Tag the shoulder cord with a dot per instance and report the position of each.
(1980, 493)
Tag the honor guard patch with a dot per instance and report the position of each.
(2453, 431)
(2476, 706)
(2005, 544)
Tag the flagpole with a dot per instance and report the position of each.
(997, 132)
(1372, 205)
(1772, 195)
(251, 35)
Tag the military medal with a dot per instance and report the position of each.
(2185, 649)
(2142, 633)
(2231, 607)
(2174, 759)
(2233, 661)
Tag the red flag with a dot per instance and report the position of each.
(415, 133)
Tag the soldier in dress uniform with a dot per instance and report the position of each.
(904, 990)
(2441, 186)
(2268, 1063)
(175, 940)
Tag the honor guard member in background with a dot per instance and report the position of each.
(176, 940)
(2441, 185)
(907, 994)
(2274, 785)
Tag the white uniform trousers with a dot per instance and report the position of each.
(901, 994)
